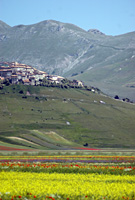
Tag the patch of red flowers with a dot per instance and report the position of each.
(4, 148)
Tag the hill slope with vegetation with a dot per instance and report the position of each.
(42, 117)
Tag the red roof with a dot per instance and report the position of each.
(26, 81)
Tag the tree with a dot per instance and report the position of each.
(126, 100)
(85, 145)
(1, 86)
(21, 91)
(116, 97)
(6, 82)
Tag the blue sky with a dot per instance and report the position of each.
(112, 17)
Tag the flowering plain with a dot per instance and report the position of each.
(67, 177)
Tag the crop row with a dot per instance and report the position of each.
(66, 168)
(18, 185)
(81, 159)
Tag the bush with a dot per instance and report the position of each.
(116, 97)
(21, 92)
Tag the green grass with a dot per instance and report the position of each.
(64, 118)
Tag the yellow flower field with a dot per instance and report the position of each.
(66, 186)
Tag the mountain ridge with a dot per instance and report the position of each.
(103, 61)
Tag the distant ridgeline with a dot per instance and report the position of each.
(16, 73)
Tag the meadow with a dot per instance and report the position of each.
(67, 177)
(53, 118)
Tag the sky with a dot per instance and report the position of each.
(112, 17)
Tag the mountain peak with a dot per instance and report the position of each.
(3, 26)
(95, 31)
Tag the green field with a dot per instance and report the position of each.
(55, 118)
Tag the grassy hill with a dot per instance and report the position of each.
(55, 118)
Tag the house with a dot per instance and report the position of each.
(19, 75)
(24, 77)
(26, 82)
(38, 76)
(78, 83)
(17, 68)
(54, 78)
(2, 78)
(14, 79)
(32, 80)
(6, 73)
(5, 67)
(29, 69)
(60, 78)
(44, 74)
(51, 78)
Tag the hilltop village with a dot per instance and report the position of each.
(21, 73)
(16, 73)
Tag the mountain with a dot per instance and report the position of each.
(106, 62)
(4, 27)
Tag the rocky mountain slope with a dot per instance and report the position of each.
(106, 62)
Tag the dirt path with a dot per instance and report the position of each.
(22, 140)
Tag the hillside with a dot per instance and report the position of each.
(54, 118)
(106, 62)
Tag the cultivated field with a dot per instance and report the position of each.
(67, 176)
